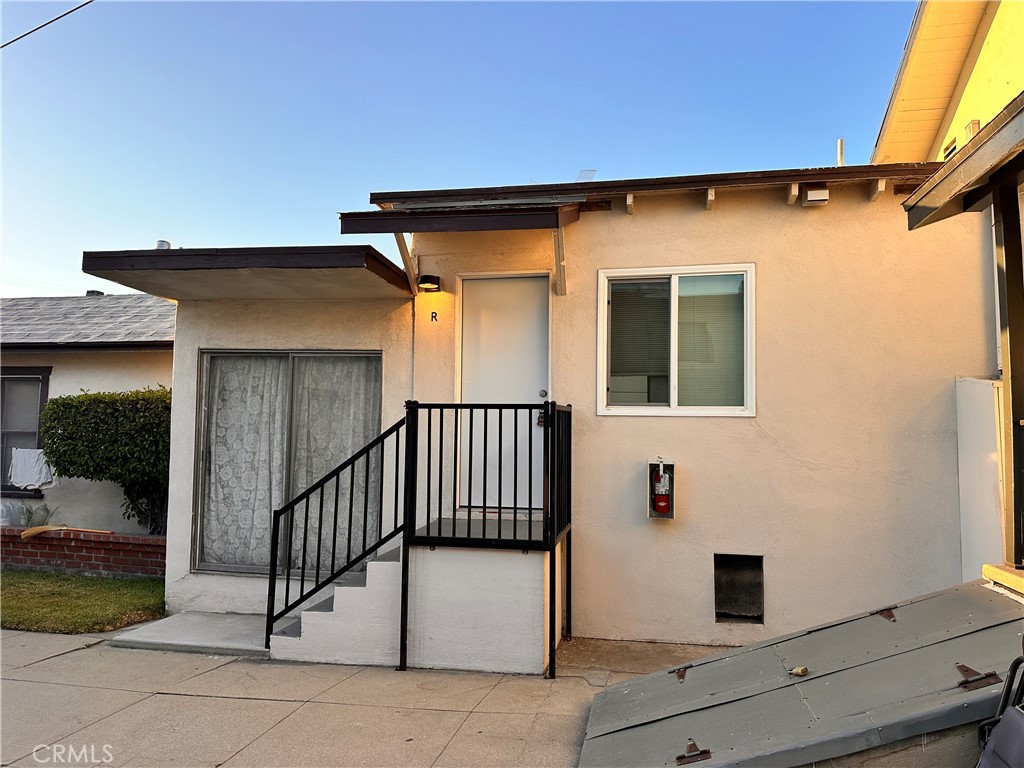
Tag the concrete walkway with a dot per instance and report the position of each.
(75, 700)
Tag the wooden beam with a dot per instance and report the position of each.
(978, 199)
(793, 194)
(995, 146)
(709, 198)
(875, 189)
(629, 203)
(1009, 260)
(410, 265)
(560, 287)
(904, 189)
(470, 219)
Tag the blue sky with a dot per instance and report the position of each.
(254, 123)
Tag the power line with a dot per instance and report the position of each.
(57, 18)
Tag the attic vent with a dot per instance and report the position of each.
(739, 588)
(93, 293)
(949, 150)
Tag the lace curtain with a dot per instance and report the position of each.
(246, 451)
(334, 402)
(336, 412)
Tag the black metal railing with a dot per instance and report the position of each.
(560, 512)
(559, 516)
(336, 524)
(448, 474)
(482, 474)
(491, 475)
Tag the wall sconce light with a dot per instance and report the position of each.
(429, 283)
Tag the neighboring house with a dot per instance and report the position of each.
(962, 64)
(957, 98)
(777, 339)
(61, 346)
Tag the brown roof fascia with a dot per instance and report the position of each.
(271, 257)
(909, 172)
(290, 257)
(480, 219)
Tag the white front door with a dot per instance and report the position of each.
(504, 361)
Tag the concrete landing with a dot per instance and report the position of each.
(230, 634)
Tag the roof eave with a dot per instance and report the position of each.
(81, 346)
(465, 219)
(897, 172)
(291, 272)
(961, 183)
(897, 85)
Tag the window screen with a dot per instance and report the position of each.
(710, 339)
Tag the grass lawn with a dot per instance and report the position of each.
(54, 602)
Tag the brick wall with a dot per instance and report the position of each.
(93, 554)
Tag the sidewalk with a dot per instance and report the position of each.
(75, 700)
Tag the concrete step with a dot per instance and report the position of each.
(324, 606)
(351, 579)
(353, 626)
(230, 634)
(294, 629)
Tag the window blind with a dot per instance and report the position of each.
(639, 342)
(19, 418)
(639, 328)
(21, 405)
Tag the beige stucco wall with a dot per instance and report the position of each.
(86, 503)
(289, 325)
(845, 481)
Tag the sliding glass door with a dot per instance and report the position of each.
(273, 424)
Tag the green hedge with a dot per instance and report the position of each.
(124, 437)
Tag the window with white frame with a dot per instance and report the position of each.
(23, 393)
(676, 341)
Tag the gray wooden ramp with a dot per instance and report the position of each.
(871, 679)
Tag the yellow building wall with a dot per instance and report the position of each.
(996, 77)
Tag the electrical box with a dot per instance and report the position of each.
(661, 489)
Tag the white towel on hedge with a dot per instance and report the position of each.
(29, 469)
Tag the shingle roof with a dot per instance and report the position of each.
(93, 321)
